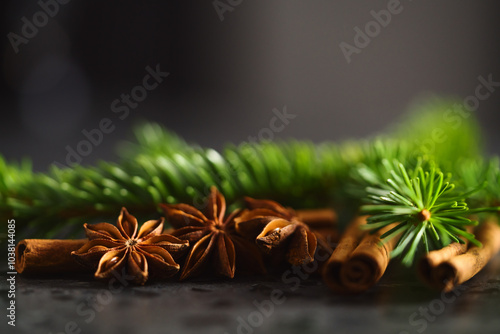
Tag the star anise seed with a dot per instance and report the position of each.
(213, 238)
(112, 248)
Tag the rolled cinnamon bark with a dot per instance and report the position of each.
(461, 268)
(330, 235)
(318, 218)
(368, 262)
(347, 244)
(323, 222)
(428, 264)
(48, 256)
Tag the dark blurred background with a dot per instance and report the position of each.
(230, 63)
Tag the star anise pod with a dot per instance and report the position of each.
(140, 251)
(277, 229)
(213, 238)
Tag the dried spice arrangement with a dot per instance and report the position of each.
(259, 207)
(112, 248)
(209, 240)
(213, 238)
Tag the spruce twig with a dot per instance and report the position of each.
(428, 211)
(160, 167)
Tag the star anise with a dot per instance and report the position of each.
(213, 238)
(110, 249)
(277, 229)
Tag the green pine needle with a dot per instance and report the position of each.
(484, 172)
(426, 209)
(160, 167)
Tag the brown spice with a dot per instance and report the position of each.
(318, 218)
(360, 259)
(368, 261)
(141, 251)
(48, 257)
(279, 231)
(459, 269)
(428, 264)
(348, 242)
(213, 238)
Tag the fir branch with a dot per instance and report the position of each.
(472, 173)
(425, 208)
(66, 198)
(160, 167)
(427, 128)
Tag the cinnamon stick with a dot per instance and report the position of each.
(323, 222)
(318, 218)
(428, 264)
(360, 259)
(459, 269)
(348, 242)
(48, 256)
(367, 262)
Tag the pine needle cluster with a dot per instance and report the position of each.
(426, 190)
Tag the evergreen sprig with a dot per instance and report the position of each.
(481, 171)
(430, 131)
(425, 208)
(160, 167)
(297, 173)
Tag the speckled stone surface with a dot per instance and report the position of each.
(287, 303)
